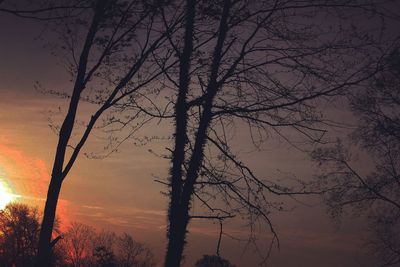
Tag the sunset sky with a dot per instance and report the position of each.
(119, 192)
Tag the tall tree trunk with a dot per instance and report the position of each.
(178, 218)
(182, 189)
(58, 171)
(48, 221)
(176, 238)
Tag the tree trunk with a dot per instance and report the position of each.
(177, 216)
(48, 221)
(182, 189)
(176, 237)
(58, 171)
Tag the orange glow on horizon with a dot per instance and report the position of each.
(6, 194)
(25, 179)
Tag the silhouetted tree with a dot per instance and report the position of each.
(78, 243)
(261, 65)
(84, 246)
(375, 194)
(132, 253)
(213, 261)
(104, 257)
(19, 234)
(119, 37)
(103, 244)
(80, 246)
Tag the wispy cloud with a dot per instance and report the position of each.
(92, 207)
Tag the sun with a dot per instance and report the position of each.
(6, 195)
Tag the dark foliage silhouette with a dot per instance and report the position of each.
(213, 261)
(80, 246)
(373, 190)
(19, 234)
(104, 257)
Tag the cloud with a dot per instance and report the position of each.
(92, 207)
(28, 177)
(146, 219)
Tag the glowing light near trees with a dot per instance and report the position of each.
(6, 195)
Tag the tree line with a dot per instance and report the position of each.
(78, 246)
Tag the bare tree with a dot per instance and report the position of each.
(81, 245)
(113, 63)
(85, 246)
(78, 243)
(105, 239)
(132, 253)
(258, 65)
(372, 190)
(103, 249)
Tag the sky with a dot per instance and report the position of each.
(119, 192)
